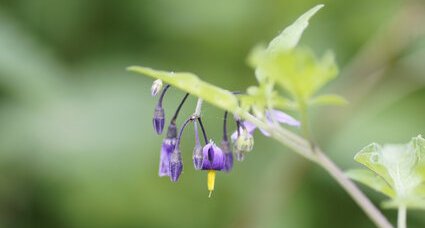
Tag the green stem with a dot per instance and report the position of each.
(401, 217)
(304, 148)
(304, 119)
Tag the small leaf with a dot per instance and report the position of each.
(330, 99)
(190, 83)
(370, 156)
(372, 180)
(291, 35)
(402, 167)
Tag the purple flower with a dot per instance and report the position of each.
(271, 116)
(176, 165)
(228, 156)
(213, 157)
(158, 119)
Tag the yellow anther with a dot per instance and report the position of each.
(211, 181)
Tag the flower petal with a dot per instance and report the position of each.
(214, 158)
(282, 117)
(250, 127)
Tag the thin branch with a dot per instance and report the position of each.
(302, 147)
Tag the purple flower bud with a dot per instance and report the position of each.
(176, 165)
(197, 157)
(168, 145)
(197, 151)
(228, 163)
(158, 119)
(213, 157)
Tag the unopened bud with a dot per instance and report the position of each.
(156, 87)
(197, 157)
(158, 119)
(245, 141)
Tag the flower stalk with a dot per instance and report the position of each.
(401, 216)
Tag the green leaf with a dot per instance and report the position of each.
(298, 71)
(291, 35)
(371, 157)
(330, 99)
(371, 180)
(190, 83)
(402, 167)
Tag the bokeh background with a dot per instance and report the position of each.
(77, 148)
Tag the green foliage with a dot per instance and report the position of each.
(398, 172)
(282, 63)
(190, 83)
(296, 70)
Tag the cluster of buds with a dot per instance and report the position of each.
(209, 157)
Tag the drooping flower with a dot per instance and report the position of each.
(168, 145)
(213, 160)
(213, 157)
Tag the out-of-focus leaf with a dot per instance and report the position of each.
(372, 180)
(401, 166)
(330, 99)
(291, 35)
(190, 83)
(298, 71)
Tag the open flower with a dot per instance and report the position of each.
(271, 117)
(213, 160)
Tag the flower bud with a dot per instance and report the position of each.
(245, 141)
(176, 165)
(158, 119)
(156, 87)
(228, 156)
(197, 157)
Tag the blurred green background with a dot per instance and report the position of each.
(77, 148)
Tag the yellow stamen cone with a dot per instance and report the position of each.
(211, 181)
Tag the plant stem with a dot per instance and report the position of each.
(374, 214)
(401, 217)
(305, 128)
(304, 148)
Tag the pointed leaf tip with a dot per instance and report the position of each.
(291, 35)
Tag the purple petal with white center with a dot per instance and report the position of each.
(167, 148)
(213, 158)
